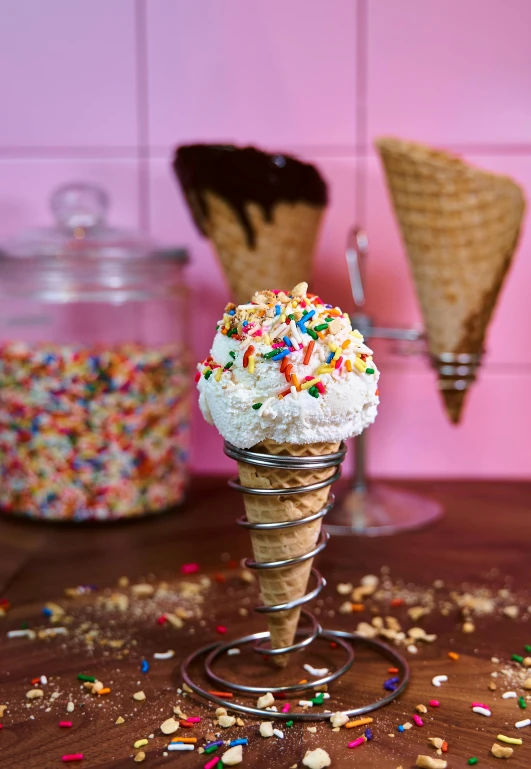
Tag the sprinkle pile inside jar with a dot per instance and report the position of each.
(92, 433)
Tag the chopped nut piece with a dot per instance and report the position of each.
(359, 593)
(169, 726)
(34, 694)
(492, 686)
(468, 627)
(363, 591)
(221, 712)
(436, 742)
(265, 701)
(266, 729)
(345, 608)
(416, 612)
(527, 662)
(240, 722)
(70, 707)
(316, 759)
(421, 708)
(226, 721)
(175, 621)
(311, 729)
(139, 696)
(511, 612)
(393, 624)
(427, 762)
(500, 752)
(142, 590)
(247, 576)
(116, 601)
(140, 756)
(527, 683)
(57, 611)
(338, 719)
(419, 634)
(344, 588)
(233, 756)
(3, 709)
(366, 630)
(300, 289)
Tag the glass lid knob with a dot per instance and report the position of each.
(79, 207)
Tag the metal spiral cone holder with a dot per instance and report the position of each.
(347, 642)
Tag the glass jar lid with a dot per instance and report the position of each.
(81, 230)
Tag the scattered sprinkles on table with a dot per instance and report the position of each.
(92, 433)
(112, 630)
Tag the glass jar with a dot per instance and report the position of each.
(94, 368)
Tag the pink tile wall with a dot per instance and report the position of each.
(103, 92)
(252, 72)
(452, 72)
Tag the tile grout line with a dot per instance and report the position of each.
(155, 152)
(142, 114)
(361, 42)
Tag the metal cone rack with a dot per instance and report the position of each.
(374, 509)
(207, 657)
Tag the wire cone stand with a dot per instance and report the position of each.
(210, 670)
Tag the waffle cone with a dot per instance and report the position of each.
(284, 246)
(460, 227)
(285, 584)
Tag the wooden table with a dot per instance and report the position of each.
(483, 539)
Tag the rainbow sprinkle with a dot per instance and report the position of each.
(293, 327)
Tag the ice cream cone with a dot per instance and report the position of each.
(261, 213)
(285, 584)
(283, 250)
(460, 227)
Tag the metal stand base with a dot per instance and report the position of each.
(203, 661)
(381, 510)
(206, 657)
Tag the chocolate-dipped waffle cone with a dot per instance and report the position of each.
(460, 227)
(261, 212)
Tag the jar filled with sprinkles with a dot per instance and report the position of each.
(94, 368)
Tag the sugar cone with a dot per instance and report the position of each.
(460, 227)
(285, 584)
(283, 250)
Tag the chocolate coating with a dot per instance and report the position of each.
(242, 175)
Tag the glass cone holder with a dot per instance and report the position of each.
(377, 509)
